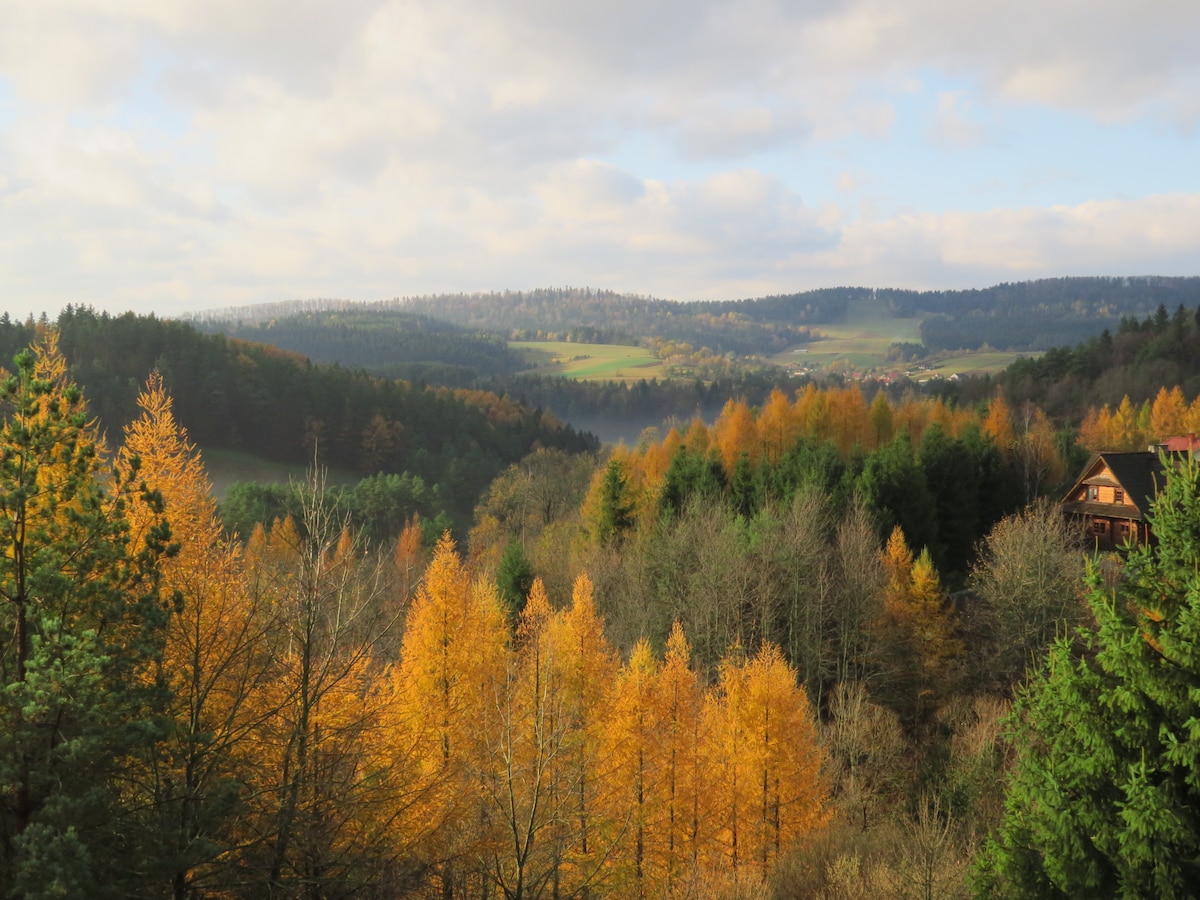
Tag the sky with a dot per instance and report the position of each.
(172, 156)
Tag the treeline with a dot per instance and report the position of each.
(745, 327)
(1036, 315)
(238, 395)
(648, 402)
(944, 475)
(391, 343)
(1163, 348)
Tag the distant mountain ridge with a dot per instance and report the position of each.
(1031, 315)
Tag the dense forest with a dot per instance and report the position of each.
(801, 651)
(1141, 357)
(238, 395)
(392, 343)
(1036, 315)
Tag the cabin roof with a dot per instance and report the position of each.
(1137, 473)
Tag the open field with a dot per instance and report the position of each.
(981, 363)
(228, 466)
(589, 362)
(859, 342)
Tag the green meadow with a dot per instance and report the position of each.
(860, 341)
(589, 362)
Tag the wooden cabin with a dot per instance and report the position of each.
(1113, 495)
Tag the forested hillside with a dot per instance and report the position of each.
(1037, 315)
(234, 394)
(391, 343)
(1032, 315)
(1142, 356)
(763, 326)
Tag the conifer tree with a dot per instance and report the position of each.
(83, 624)
(214, 657)
(1102, 801)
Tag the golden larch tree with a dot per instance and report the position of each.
(632, 748)
(997, 425)
(1168, 413)
(452, 669)
(778, 427)
(735, 433)
(585, 668)
(215, 657)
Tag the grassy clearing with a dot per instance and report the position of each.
(228, 466)
(589, 362)
(988, 363)
(859, 342)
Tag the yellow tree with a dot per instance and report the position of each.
(783, 760)
(1168, 414)
(585, 667)
(735, 434)
(997, 425)
(215, 655)
(1095, 432)
(880, 414)
(850, 419)
(917, 637)
(697, 439)
(631, 745)
(777, 425)
(522, 769)
(452, 669)
(1130, 426)
(410, 557)
(1038, 460)
(812, 412)
(767, 761)
(317, 780)
(1191, 421)
(685, 824)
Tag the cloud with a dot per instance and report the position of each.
(951, 126)
(217, 151)
(1151, 235)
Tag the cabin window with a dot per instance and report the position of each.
(1123, 530)
(1099, 526)
(1093, 492)
(1118, 495)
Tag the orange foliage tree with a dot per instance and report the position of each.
(215, 657)
(766, 775)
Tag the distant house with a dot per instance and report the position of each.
(1113, 493)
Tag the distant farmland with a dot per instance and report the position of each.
(589, 362)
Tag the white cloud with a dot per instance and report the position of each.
(952, 126)
(216, 151)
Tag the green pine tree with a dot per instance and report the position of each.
(1104, 799)
(616, 512)
(514, 578)
(82, 626)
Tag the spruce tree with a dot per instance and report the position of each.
(81, 629)
(1104, 799)
(514, 578)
